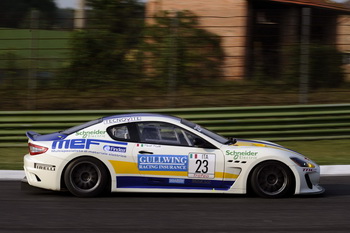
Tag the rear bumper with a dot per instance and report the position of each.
(42, 172)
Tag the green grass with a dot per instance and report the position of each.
(324, 152)
(12, 158)
(50, 46)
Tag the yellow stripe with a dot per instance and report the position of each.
(122, 167)
(230, 176)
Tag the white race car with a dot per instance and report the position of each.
(159, 153)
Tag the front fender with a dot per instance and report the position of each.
(247, 166)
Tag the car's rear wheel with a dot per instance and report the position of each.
(86, 177)
(272, 179)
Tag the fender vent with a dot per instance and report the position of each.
(308, 181)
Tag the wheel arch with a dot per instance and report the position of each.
(62, 182)
(250, 173)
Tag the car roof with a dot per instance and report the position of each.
(141, 115)
(61, 135)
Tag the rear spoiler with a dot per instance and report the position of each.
(32, 135)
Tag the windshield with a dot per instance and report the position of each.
(80, 127)
(207, 132)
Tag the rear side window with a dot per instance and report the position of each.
(124, 132)
(120, 132)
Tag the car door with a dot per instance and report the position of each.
(169, 156)
(122, 159)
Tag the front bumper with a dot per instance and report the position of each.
(309, 181)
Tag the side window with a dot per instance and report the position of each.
(122, 132)
(158, 132)
(165, 133)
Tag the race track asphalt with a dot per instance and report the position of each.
(32, 210)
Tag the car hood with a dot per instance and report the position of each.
(243, 142)
(259, 143)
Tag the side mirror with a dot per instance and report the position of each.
(198, 142)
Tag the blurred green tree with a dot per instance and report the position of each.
(11, 70)
(324, 67)
(176, 49)
(15, 14)
(100, 53)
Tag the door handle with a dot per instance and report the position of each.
(145, 152)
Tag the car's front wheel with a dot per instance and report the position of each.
(272, 179)
(86, 177)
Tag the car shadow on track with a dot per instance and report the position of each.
(337, 190)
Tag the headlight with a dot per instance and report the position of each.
(302, 163)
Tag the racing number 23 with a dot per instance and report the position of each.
(201, 165)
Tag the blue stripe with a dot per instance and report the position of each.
(107, 141)
(171, 183)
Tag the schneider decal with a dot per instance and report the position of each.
(162, 162)
(242, 154)
(91, 133)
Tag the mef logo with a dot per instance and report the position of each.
(81, 143)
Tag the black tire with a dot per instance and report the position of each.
(272, 179)
(86, 177)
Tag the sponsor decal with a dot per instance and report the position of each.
(309, 169)
(198, 128)
(80, 143)
(201, 165)
(115, 155)
(162, 162)
(87, 145)
(149, 145)
(122, 120)
(176, 181)
(115, 149)
(45, 167)
(91, 133)
(241, 154)
(201, 182)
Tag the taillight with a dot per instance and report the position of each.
(36, 150)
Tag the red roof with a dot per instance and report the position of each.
(329, 4)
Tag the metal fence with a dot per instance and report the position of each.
(276, 123)
(266, 59)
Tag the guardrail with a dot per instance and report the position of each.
(275, 123)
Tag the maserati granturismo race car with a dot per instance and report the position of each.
(159, 153)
